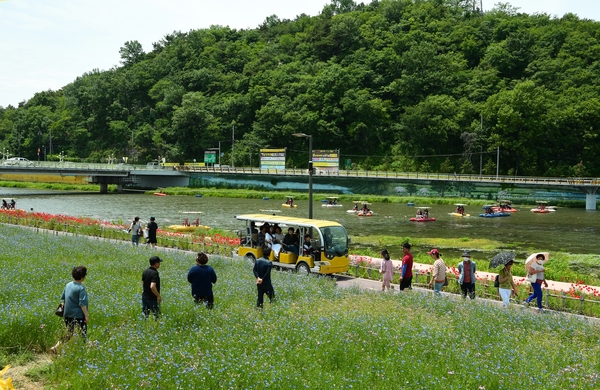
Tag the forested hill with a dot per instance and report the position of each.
(395, 84)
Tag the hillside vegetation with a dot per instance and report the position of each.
(403, 85)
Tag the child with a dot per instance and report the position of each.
(387, 269)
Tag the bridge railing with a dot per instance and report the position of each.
(88, 166)
(570, 181)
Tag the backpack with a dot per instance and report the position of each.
(497, 281)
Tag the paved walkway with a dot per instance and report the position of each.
(424, 269)
(375, 285)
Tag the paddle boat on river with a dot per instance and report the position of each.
(332, 201)
(356, 208)
(289, 203)
(186, 226)
(543, 208)
(422, 215)
(460, 211)
(490, 213)
(365, 211)
(504, 206)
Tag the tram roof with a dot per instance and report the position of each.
(283, 220)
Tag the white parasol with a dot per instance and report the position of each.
(534, 255)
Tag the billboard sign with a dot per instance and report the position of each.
(272, 159)
(326, 160)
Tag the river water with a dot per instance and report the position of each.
(569, 230)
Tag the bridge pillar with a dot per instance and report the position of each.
(103, 188)
(590, 197)
(120, 188)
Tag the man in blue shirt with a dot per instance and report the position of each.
(202, 277)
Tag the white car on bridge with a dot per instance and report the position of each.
(20, 161)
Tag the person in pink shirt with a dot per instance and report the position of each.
(407, 265)
(387, 269)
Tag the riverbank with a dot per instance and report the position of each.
(56, 186)
(350, 198)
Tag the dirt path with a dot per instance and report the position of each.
(19, 377)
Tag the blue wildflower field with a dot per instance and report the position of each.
(314, 336)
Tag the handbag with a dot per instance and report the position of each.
(497, 281)
(532, 278)
(60, 310)
(445, 282)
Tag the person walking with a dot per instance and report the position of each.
(202, 277)
(152, 228)
(151, 297)
(438, 278)
(387, 269)
(406, 270)
(507, 284)
(75, 301)
(262, 272)
(467, 269)
(535, 269)
(135, 230)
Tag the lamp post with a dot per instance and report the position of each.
(310, 172)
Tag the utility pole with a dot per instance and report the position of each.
(232, 143)
(497, 161)
(481, 150)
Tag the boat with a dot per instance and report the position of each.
(543, 208)
(332, 202)
(504, 206)
(188, 228)
(411, 204)
(459, 215)
(422, 219)
(355, 209)
(365, 211)
(198, 195)
(494, 215)
(289, 203)
(265, 198)
(460, 206)
(422, 215)
(160, 194)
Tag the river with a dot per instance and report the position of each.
(568, 230)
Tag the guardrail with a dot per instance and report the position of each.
(561, 181)
(558, 301)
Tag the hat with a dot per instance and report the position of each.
(154, 260)
(466, 253)
(152, 218)
(434, 252)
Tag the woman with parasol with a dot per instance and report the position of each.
(535, 274)
(505, 278)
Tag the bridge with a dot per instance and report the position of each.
(142, 176)
(122, 175)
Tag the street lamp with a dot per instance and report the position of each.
(310, 172)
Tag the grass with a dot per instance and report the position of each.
(314, 336)
(56, 186)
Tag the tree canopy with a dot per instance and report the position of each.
(394, 84)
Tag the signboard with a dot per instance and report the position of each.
(210, 157)
(326, 160)
(272, 159)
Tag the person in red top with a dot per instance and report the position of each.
(467, 278)
(407, 265)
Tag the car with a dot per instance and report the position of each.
(20, 161)
(153, 165)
